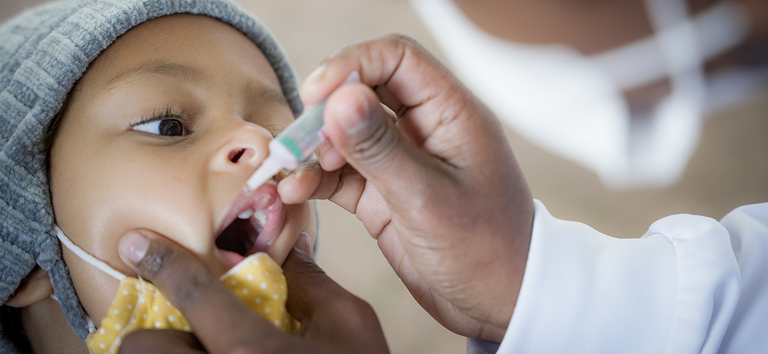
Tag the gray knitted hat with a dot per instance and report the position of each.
(43, 52)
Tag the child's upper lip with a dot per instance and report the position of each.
(264, 198)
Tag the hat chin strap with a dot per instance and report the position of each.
(104, 267)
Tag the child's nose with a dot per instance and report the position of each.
(243, 150)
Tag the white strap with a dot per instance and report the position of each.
(87, 257)
(675, 35)
(717, 29)
(678, 42)
(91, 325)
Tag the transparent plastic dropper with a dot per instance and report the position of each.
(294, 144)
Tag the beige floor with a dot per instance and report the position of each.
(729, 169)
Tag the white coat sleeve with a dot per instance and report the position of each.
(691, 284)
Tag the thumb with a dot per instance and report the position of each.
(369, 139)
(326, 311)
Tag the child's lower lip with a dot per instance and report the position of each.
(271, 230)
(230, 258)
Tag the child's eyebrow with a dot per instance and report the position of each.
(265, 93)
(194, 75)
(178, 71)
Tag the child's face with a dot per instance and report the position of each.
(161, 133)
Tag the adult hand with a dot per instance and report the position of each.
(437, 185)
(332, 319)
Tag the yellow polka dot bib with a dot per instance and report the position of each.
(258, 281)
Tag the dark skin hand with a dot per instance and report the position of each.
(332, 319)
(437, 185)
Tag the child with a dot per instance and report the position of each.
(171, 117)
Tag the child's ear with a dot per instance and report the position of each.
(35, 287)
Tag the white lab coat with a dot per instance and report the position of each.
(691, 284)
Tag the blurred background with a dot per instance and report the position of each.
(727, 165)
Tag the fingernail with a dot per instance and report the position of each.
(134, 246)
(304, 243)
(354, 119)
(316, 75)
(287, 179)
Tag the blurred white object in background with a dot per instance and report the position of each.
(572, 105)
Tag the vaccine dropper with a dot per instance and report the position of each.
(294, 144)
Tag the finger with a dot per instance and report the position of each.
(307, 285)
(364, 133)
(419, 90)
(343, 187)
(403, 73)
(299, 186)
(160, 342)
(328, 312)
(329, 157)
(388, 61)
(220, 320)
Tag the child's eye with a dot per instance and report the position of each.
(171, 122)
(163, 127)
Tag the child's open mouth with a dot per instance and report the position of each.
(252, 221)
